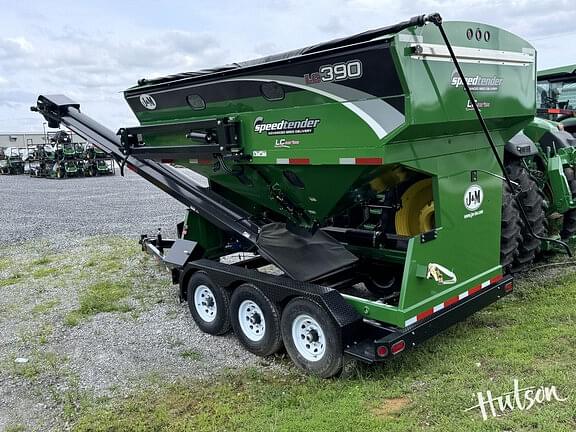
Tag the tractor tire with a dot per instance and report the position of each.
(510, 236)
(569, 218)
(533, 202)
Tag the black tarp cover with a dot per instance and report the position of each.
(303, 258)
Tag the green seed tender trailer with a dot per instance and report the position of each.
(368, 171)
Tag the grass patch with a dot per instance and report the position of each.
(103, 296)
(12, 279)
(38, 364)
(44, 307)
(190, 354)
(39, 335)
(42, 261)
(43, 272)
(528, 336)
(15, 428)
(4, 263)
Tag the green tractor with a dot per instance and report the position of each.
(380, 176)
(41, 160)
(97, 162)
(11, 162)
(66, 163)
(556, 96)
(542, 160)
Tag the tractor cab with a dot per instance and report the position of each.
(556, 96)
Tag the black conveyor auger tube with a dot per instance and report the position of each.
(224, 214)
(437, 20)
(300, 258)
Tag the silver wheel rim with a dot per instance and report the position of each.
(205, 303)
(251, 320)
(308, 338)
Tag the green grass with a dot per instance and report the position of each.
(43, 272)
(39, 363)
(103, 296)
(42, 261)
(4, 263)
(40, 335)
(190, 354)
(529, 336)
(47, 306)
(12, 279)
(15, 428)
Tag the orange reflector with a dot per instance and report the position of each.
(508, 287)
(398, 347)
(382, 351)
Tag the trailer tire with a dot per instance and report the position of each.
(255, 320)
(312, 338)
(532, 199)
(209, 304)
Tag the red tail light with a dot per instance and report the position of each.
(398, 347)
(382, 351)
(508, 287)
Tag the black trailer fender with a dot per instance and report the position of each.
(278, 289)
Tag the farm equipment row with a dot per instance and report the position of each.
(392, 181)
(58, 158)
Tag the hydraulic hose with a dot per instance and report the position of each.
(437, 20)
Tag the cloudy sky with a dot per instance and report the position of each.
(92, 50)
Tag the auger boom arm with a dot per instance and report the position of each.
(59, 109)
(300, 257)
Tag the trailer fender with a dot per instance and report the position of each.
(279, 290)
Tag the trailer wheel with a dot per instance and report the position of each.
(312, 338)
(255, 320)
(209, 304)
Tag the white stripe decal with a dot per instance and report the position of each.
(463, 295)
(283, 161)
(347, 161)
(410, 321)
(438, 307)
(485, 284)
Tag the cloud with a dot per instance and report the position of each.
(333, 26)
(14, 48)
(99, 49)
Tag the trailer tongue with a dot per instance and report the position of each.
(364, 169)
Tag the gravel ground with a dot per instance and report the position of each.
(60, 238)
(41, 208)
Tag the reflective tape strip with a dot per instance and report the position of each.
(452, 300)
(293, 161)
(361, 161)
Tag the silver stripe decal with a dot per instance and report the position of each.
(402, 37)
(376, 113)
(473, 55)
(379, 115)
